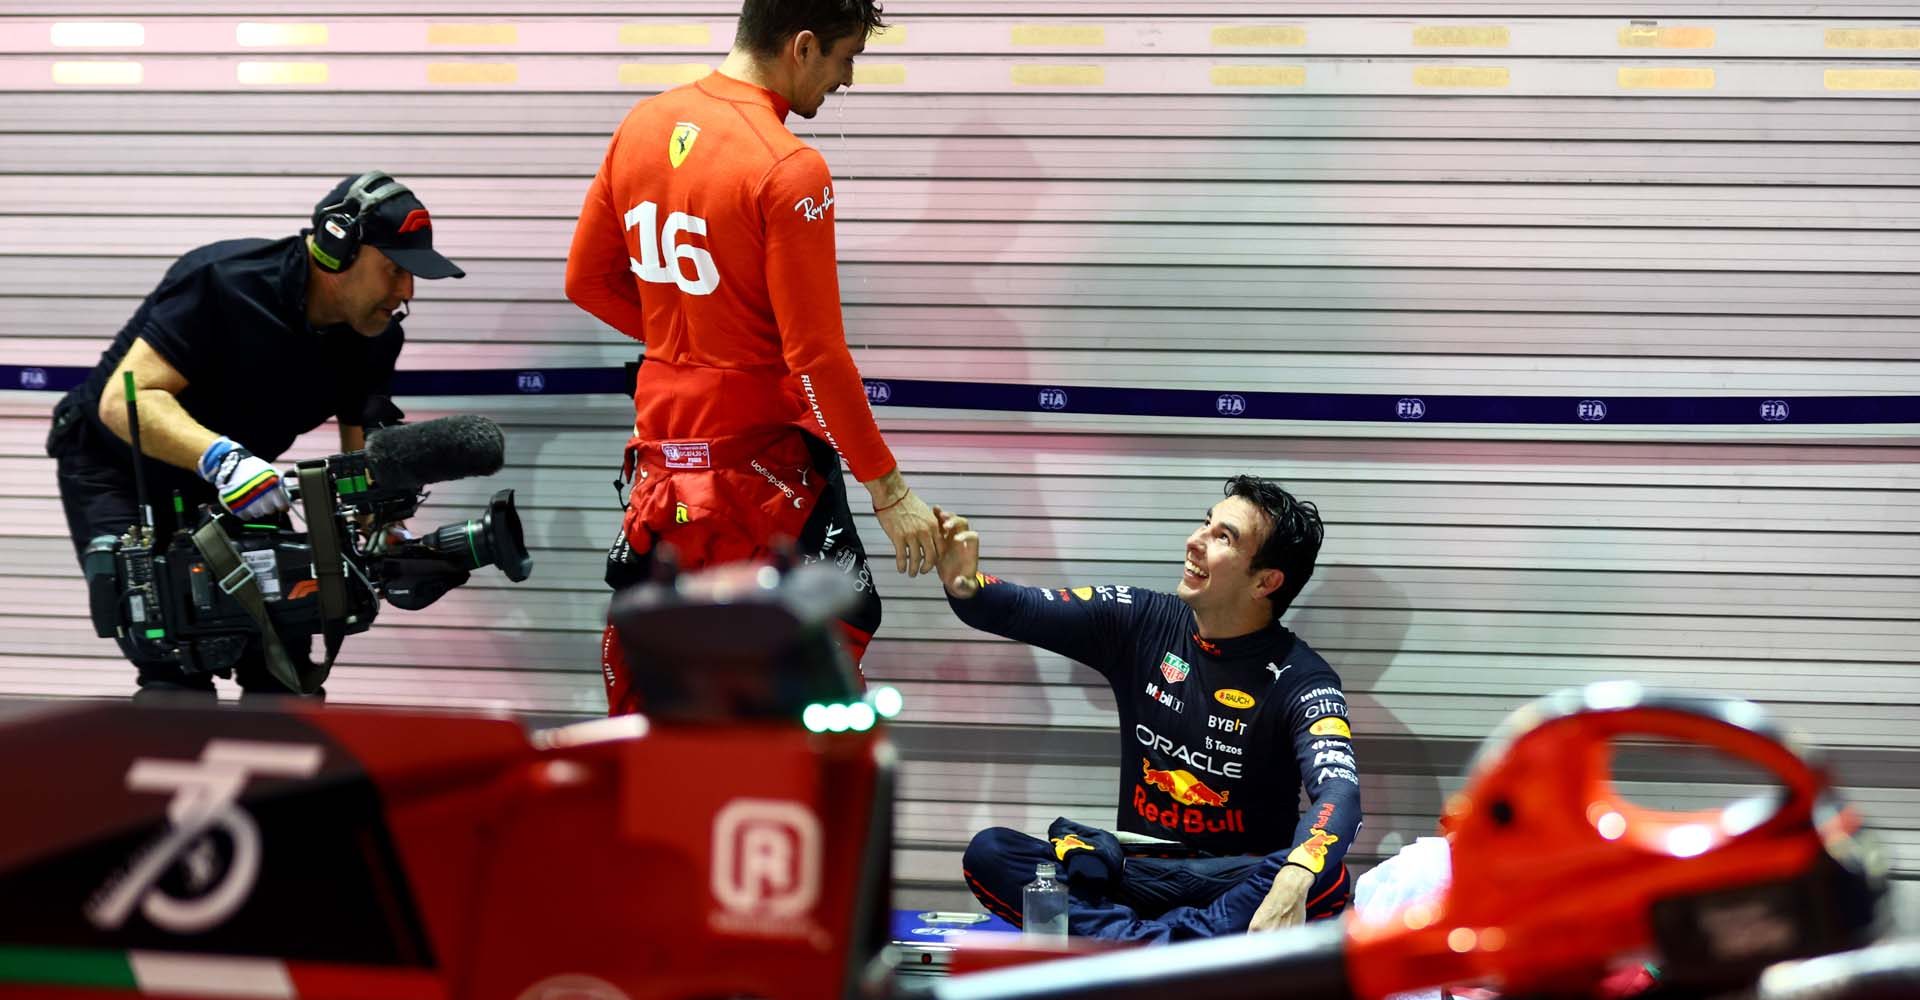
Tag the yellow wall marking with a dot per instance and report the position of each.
(1059, 34)
(1259, 76)
(1461, 76)
(465, 72)
(1666, 77)
(1462, 36)
(1249, 35)
(1873, 38)
(1036, 75)
(258, 74)
(879, 73)
(1873, 79)
(254, 34)
(98, 34)
(892, 34)
(472, 34)
(665, 34)
(1649, 36)
(95, 73)
(662, 74)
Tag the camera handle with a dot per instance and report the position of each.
(329, 569)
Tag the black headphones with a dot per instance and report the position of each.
(337, 227)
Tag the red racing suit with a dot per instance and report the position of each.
(708, 235)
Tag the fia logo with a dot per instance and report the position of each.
(1773, 410)
(1592, 410)
(766, 865)
(33, 378)
(206, 797)
(879, 393)
(530, 382)
(1230, 404)
(1053, 399)
(1411, 408)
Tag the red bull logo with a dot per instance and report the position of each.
(1186, 818)
(1071, 842)
(1183, 786)
(1312, 855)
(1191, 797)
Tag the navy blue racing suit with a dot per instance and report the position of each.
(1217, 738)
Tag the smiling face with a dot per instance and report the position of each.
(1218, 574)
(822, 69)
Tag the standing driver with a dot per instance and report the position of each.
(245, 345)
(708, 235)
(1225, 716)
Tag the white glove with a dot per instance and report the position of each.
(248, 486)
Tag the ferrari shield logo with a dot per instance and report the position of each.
(684, 134)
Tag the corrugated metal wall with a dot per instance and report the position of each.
(1443, 197)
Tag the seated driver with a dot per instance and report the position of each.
(1225, 715)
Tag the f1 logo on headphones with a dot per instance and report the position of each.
(336, 240)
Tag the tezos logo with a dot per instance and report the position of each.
(1773, 410)
(205, 803)
(33, 378)
(1410, 408)
(1230, 404)
(879, 392)
(1053, 399)
(1592, 410)
(766, 866)
(531, 382)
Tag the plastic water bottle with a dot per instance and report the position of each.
(1043, 904)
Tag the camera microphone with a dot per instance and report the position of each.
(410, 456)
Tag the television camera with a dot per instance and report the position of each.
(196, 598)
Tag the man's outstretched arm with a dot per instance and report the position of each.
(1089, 626)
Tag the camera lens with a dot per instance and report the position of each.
(493, 539)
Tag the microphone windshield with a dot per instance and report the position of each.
(434, 451)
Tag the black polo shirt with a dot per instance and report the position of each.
(231, 317)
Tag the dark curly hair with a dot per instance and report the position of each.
(765, 25)
(1292, 544)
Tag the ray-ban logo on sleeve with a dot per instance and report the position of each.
(815, 212)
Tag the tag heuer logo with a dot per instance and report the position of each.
(1174, 669)
(681, 142)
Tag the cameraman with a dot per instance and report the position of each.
(245, 345)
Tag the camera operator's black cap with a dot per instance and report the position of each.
(401, 227)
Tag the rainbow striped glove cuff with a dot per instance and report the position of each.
(248, 486)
